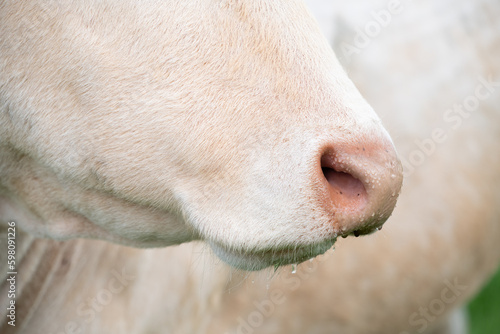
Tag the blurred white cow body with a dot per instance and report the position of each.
(438, 248)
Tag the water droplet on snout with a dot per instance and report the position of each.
(393, 176)
(294, 268)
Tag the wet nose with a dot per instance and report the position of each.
(361, 182)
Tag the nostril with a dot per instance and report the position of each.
(359, 183)
(346, 191)
(344, 183)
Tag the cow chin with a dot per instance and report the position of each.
(253, 260)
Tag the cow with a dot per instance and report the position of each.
(92, 286)
(223, 144)
(156, 124)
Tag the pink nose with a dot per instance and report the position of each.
(361, 182)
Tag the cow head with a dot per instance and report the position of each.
(226, 121)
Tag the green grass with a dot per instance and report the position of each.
(484, 309)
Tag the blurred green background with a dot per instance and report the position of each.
(484, 310)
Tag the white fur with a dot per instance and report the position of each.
(156, 124)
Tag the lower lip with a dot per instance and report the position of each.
(253, 261)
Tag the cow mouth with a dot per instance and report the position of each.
(253, 260)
